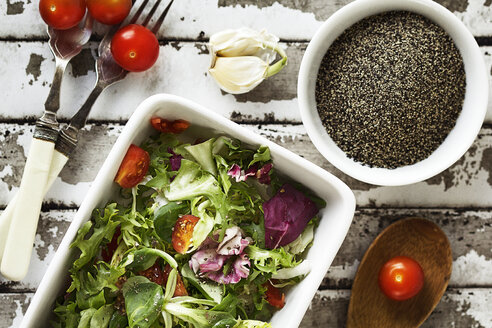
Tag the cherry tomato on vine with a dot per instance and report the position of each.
(62, 14)
(183, 232)
(274, 296)
(109, 12)
(401, 278)
(135, 48)
(133, 168)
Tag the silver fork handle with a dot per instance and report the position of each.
(68, 137)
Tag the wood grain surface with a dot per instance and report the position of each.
(459, 200)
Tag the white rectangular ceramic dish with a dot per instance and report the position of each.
(335, 222)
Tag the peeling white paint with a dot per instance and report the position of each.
(346, 271)
(19, 315)
(477, 17)
(471, 267)
(478, 302)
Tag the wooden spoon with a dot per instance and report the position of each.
(419, 239)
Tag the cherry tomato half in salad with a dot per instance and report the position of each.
(167, 126)
(62, 14)
(133, 168)
(135, 48)
(183, 232)
(109, 12)
(401, 278)
(180, 287)
(274, 296)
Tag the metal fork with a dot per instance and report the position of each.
(18, 249)
(64, 44)
(108, 72)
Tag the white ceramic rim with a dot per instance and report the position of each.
(333, 227)
(459, 139)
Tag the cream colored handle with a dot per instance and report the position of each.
(58, 162)
(20, 238)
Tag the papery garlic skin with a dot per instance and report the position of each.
(238, 75)
(241, 58)
(244, 42)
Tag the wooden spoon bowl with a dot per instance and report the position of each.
(419, 239)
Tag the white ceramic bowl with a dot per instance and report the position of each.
(335, 222)
(459, 139)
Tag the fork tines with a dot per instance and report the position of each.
(150, 14)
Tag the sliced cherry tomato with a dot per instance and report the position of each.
(274, 296)
(135, 48)
(108, 251)
(180, 287)
(62, 14)
(401, 278)
(154, 274)
(133, 168)
(183, 232)
(166, 126)
(109, 12)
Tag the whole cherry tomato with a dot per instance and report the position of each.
(166, 126)
(183, 232)
(109, 12)
(62, 14)
(401, 278)
(135, 48)
(133, 168)
(274, 296)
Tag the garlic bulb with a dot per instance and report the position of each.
(241, 58)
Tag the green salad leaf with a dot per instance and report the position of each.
(143, 301)
(165, 218)
(104, 229)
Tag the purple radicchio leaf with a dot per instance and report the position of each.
(286, 216)
(233, 243)
(239, 270)
(207, 260)
(210, 258)
(263, 174)
(238, 174)
(174, 160)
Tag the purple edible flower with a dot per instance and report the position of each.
(286, 215)
(174, 160)
(209, 260)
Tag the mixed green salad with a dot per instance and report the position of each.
(204, 235)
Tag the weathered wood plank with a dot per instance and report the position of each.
(197, 19)
(26, 81)
(12, 309)
(467, 183)
(469, 233)
(458, 308)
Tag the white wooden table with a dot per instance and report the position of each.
(459, 200)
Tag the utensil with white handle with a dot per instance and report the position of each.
(108, 72)
(27, 204)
